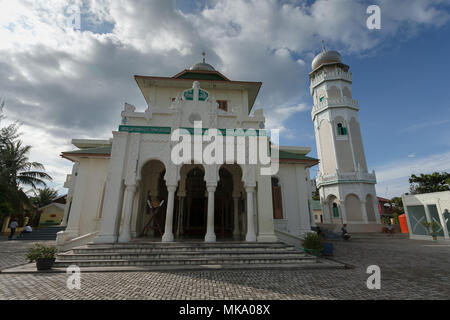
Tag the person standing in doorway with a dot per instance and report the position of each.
(13, 226)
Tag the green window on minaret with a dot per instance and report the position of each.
(342, 131)
(335, 211)
(321, 99)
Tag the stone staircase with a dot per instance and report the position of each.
(41, 234)
(187, 255)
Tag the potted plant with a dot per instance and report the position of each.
(42, 255)
(433, 227)
(313, 243)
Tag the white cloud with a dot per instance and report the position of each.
(65, 84)
(394, 175)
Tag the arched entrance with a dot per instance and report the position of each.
(223, 207)
(192, 208)
(229, 204)
(191, 204)
(153, 193)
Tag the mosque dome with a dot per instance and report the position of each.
(326, 57)
(203, 66)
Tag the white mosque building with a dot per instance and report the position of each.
(128, 188)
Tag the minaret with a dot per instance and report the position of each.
(347, 189)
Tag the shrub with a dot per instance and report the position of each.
(40, 252)
(313, 241)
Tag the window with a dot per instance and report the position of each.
(277, 199)
(321, 98)
(341, 130)
(223, 104)
(335, 211)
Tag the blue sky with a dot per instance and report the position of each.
(62, 83)
(404, 96)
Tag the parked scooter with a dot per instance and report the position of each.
(345, 235)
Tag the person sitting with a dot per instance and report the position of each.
(389, 228)
(345, 235)
(26, 230)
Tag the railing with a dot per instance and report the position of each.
(340, 102)
(331, 76)
(346, 177)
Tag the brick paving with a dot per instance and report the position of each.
(409, 270)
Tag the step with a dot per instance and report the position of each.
(178, 255)
(188, 261)
(90, 250)
(174, 245)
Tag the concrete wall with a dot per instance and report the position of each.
(87, 199)
(47, 213)
(328, 159)
(294, 189)
(237, 99)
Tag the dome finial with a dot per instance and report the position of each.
(324, 49)
(204, 56)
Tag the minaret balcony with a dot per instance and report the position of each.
(326, 76)
(335, 103)
(351, 177)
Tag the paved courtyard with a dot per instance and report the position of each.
(409, 270)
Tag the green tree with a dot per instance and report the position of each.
(16, 171)
(428, 183)
(42, 198)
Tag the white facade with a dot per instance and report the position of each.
(427, 207)
(347, 189)
(113, 181)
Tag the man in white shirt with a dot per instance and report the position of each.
(13, 226)
(27, 229)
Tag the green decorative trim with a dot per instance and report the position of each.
(143, 129)
(202, 95)
(168, 130)
(233, 132)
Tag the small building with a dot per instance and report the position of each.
(385, 207)
(53, 213)
(317, 211)
(427, 207)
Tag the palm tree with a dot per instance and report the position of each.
(16, 171)
(44, 197)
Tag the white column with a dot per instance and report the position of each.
(236, 231)
(377, 210)
(251, 236)
(326, 214)
(180, 217)
(112, 204)
(125, 233)
(168, 233)
(210, 235)
(364, 212)
(343, 213)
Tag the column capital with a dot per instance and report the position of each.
(211, 188)
(131, 187)
(172, 188)
(250, 189)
